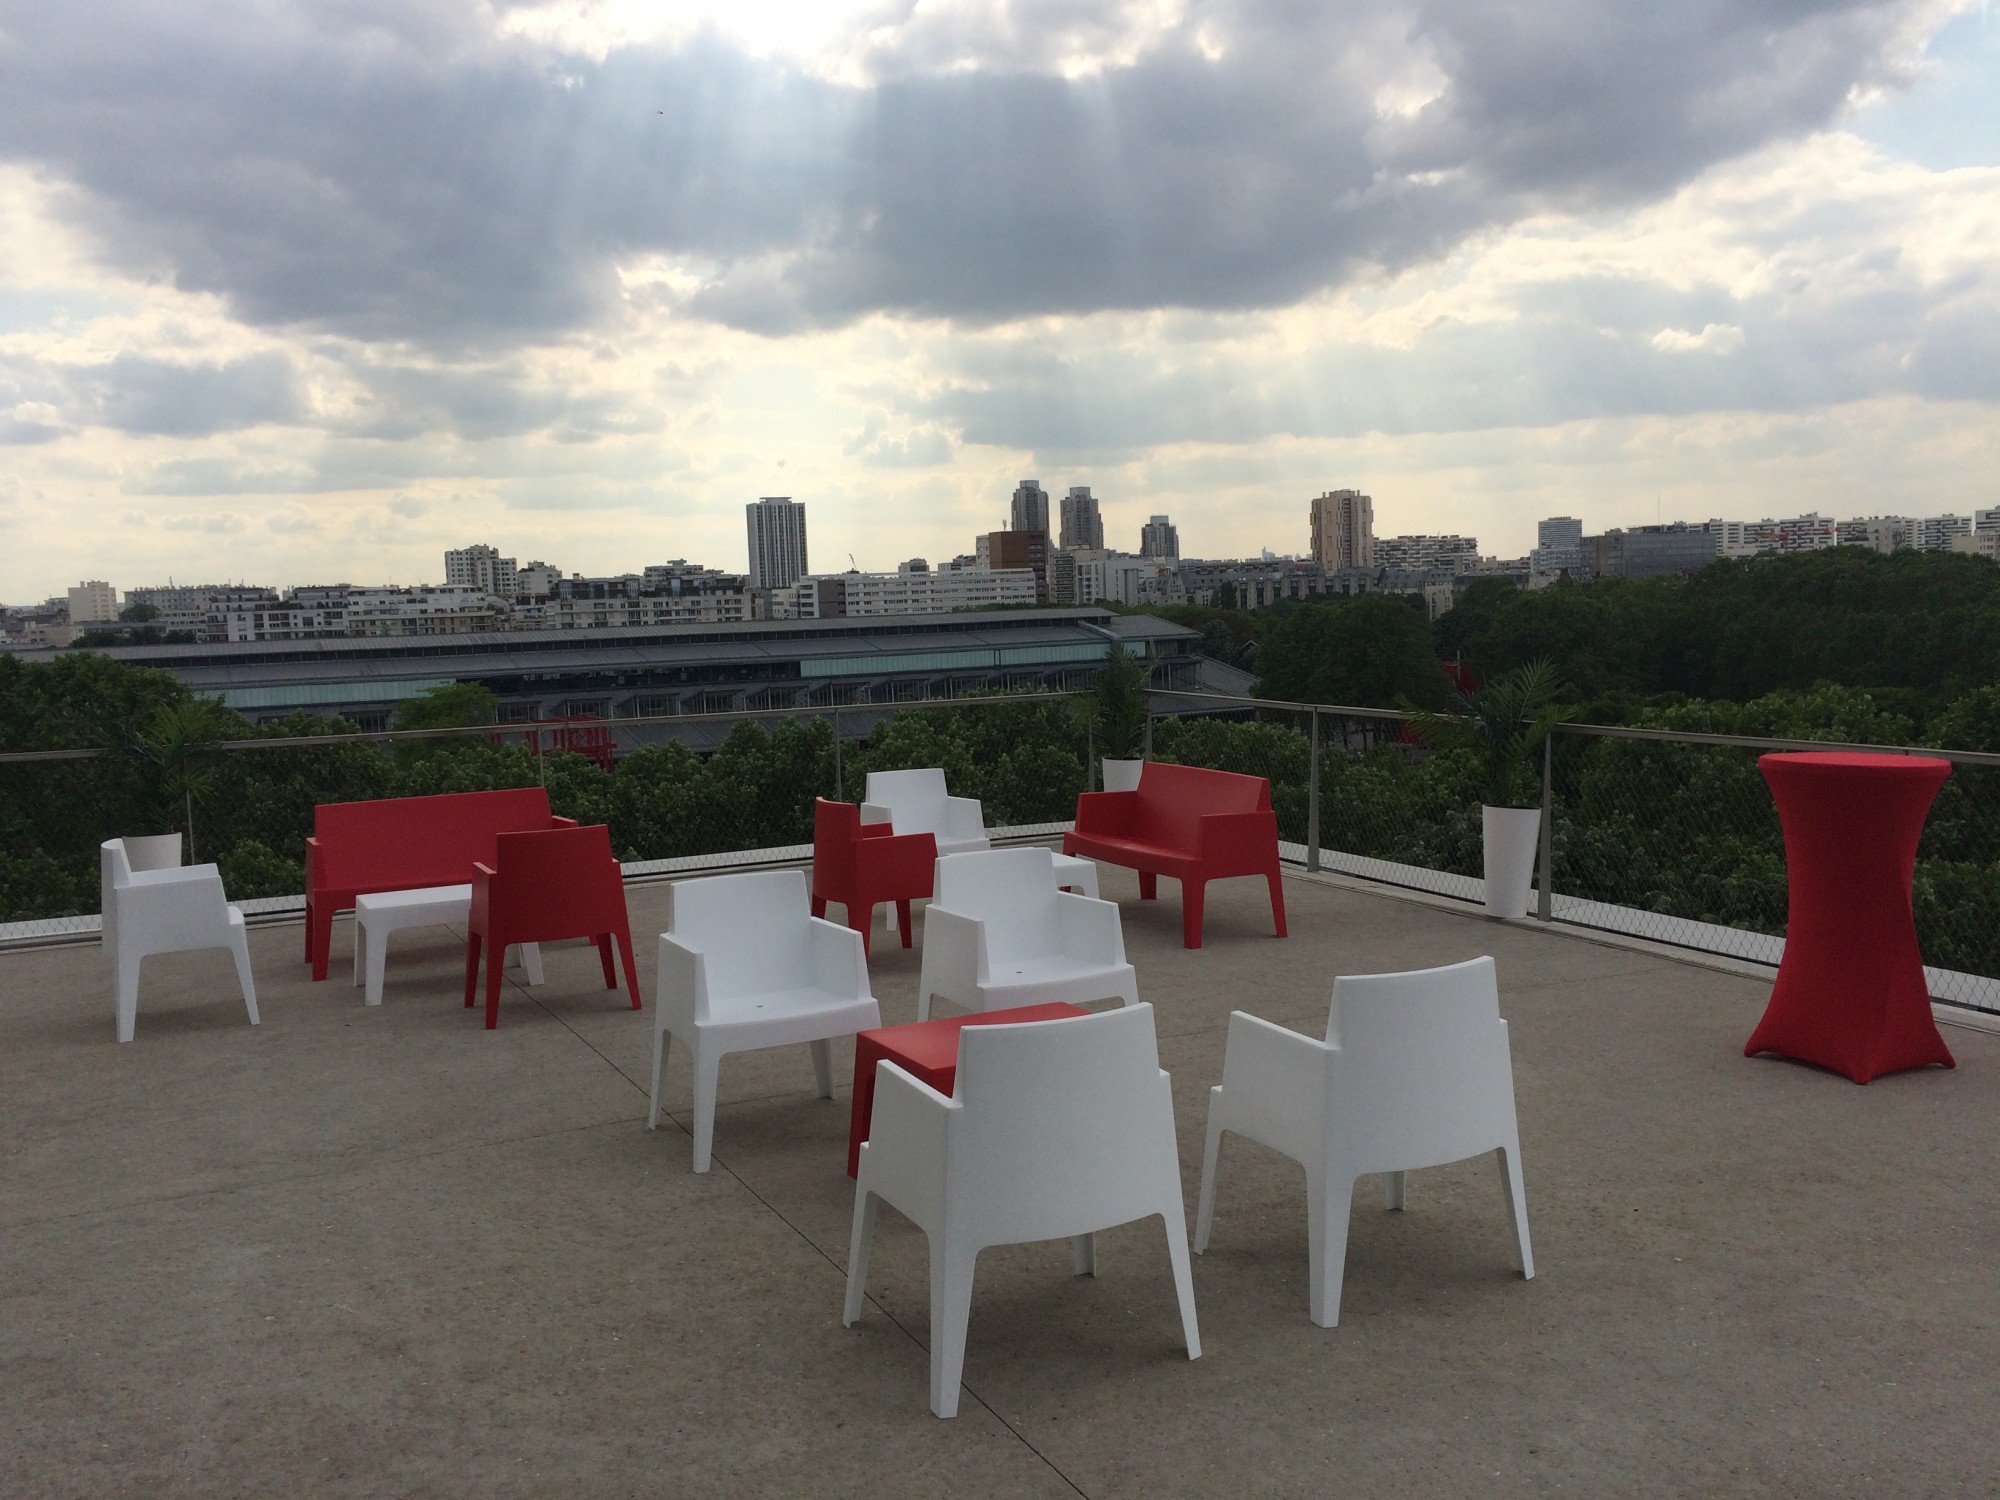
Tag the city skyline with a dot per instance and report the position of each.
(265, 326)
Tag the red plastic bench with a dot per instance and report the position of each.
(1189, 823)
(406, 843)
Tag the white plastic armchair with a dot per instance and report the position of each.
(1056, 1129)
(152, 903)
(916, 802)
(1415, 1072)
(743, 965)
(998, 933)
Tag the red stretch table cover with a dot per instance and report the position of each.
(928, 1049)
(1850, 993)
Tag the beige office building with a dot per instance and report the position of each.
(1343, 530)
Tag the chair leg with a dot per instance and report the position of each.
(1277, 901)
(126, 997)
(1328, 1204)
(1149, 886)
(1517, 1203)
(631, 968)
(819, 906)
(860, 1241)
(951, 1310)
(860, 919)
(822, 1061)
(660, 1046)
(319, 938)
(603, 941)
(531, 960)
(239, 949)
(903, 921)
(494, 974)
(707, 1066)
(1177, 1252)
(360, 948)
(1392, 1190)
(1083, 1254)
(472, 944)
(1211, 1153)
(1193, 895)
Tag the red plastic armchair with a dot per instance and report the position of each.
(559, 883)
(862, 864)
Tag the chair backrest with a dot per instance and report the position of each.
(1173, 799)
(753, 930)
(1422, 1066)
(557, 882)
(1013, 891)
(915, 798)
(836, 825)
(428, 840)
(1056, 1118)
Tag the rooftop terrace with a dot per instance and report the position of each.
(388, 1252)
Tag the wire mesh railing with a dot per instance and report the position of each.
(1657, 834)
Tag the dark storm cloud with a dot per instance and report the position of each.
(396, 173)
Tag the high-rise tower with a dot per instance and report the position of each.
(1082, 522)
(1031, 507)
(1343, 530)
(777, 526)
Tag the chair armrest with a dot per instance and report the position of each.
(908, 1151)
(839, 961)
(876, 812)
(1274, 1083)
(911, 856)
(1090, 928)
(556, 820)
(1246, 838)
(681, 987)
(955, 948)
(964, 817)
(482, 898)
(185, 896)
(1106, 812)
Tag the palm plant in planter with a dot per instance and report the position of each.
(1115, 714)
(1503, 724)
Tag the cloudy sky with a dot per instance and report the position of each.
(311, 290)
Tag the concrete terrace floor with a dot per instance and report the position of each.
(389, 1253)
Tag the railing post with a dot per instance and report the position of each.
(1090, 758)
(839, 783)
(1147, 752)
(1312, 798)
(1545, 908)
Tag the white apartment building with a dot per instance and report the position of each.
(1142, 580)
(906, 591)
(1979, 543)
(1937, 533)
(1806, 533)
(93, 602)
(482, 568)
(1878, 533)
(604, 612)
(1424, 554)
(777, 534)
(536, 580)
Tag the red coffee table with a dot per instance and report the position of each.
(929, 1050)
(1850, 993)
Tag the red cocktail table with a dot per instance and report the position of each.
(1850, 993)
(929, 1050)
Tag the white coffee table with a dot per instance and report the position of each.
(1074, 871)
(380, 913)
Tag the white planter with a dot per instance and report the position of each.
(1122, 775)
(153, 851)
(1511, 836)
